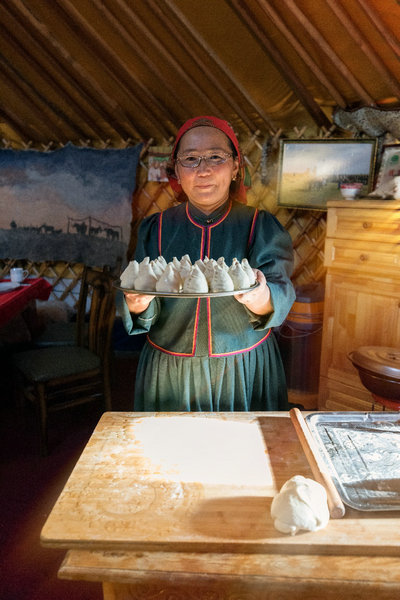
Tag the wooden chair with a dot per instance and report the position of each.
(65, 333)
(60, 333)
(60, 377)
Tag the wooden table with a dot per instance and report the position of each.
(177, 506)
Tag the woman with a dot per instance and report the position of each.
(212, 354)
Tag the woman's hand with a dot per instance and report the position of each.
(137, 303)
(259, 299)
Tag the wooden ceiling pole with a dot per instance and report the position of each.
(85, 83)
(216, 82)
(380, 26)
(292, 6)
(112, 63)
(164, 54)
(299, 48)
(164, 11)
(284, 68)
(135, 48)
(11, 119)
(38, 106)
(43, 73)
(360, 40)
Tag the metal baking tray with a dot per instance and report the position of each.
(362, 454)
(117, 284)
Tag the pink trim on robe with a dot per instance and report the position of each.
(214, 354)
(253, 226)
(196, 327)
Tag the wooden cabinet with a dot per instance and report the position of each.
(362, 295)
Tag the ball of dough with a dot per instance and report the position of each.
(301, 504)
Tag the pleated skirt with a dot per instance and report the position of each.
(249, 381)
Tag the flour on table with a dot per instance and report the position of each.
(204, 450)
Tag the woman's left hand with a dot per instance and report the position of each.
(259, 299)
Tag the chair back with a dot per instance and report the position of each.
(97, 288)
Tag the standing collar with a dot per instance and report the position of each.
(203, 219)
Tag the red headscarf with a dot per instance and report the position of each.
(228, 131)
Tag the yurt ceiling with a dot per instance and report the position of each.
(119, 71)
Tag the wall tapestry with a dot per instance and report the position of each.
(72, 204)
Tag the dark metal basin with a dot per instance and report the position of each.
(379, 370)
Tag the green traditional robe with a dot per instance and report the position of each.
(213, 354)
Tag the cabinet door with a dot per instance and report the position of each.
(359, 311)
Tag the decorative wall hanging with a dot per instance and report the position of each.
(72, 204)
(312, 171)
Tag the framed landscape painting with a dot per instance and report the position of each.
(312, 171)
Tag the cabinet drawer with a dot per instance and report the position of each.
(374, 257)
(366, 224)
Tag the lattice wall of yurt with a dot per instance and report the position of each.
(306, 227)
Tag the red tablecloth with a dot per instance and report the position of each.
(14, 301)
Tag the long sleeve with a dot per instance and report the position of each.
(146, 246)
(136, 324)
(271, 251)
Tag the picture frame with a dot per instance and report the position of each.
(158, 157)
(389, 165)
(311, 171)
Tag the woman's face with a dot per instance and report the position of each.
(206, 186)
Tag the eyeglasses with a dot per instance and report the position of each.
(212, 160)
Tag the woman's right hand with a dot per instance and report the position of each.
(137, 303)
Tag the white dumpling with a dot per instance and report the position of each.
(176, 263)
(146, 279)
(128, 276)
(239, 276)
(195, 282)
(221, 262)
(201, 264)
(301, 504)
(170, 280)
(162, 262)
(186, 259)
(185, 266)
(157, 268)
(249, 271)
(221, 281)
(209, 269)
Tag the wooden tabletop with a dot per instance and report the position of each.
(198, 482)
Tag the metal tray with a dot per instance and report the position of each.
(362, 453)
(117, 284)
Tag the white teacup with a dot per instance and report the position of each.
(18, 275)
